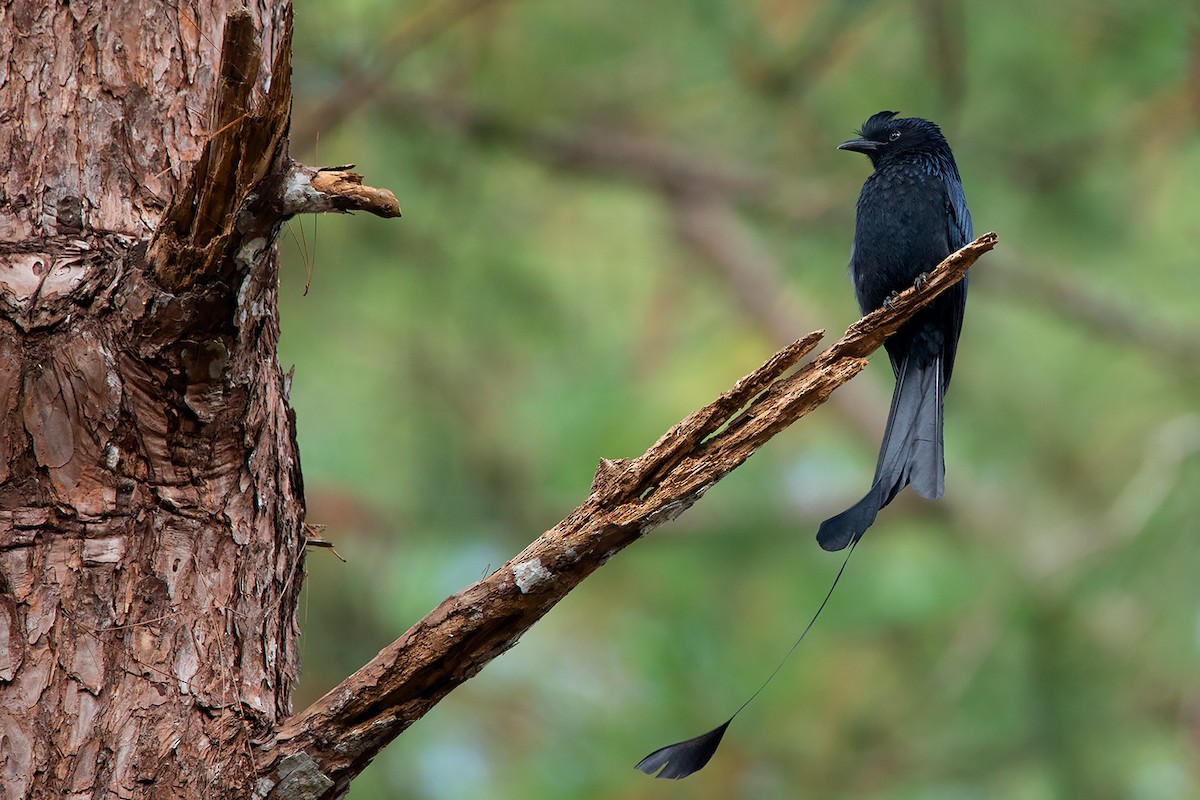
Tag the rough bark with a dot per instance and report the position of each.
(151, 508)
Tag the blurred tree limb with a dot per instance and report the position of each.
(1076, 300)
(701, 192)
(614, 154)
(358, 85)
(685, 177)
(341, 733)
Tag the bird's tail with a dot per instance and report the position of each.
(911, 452)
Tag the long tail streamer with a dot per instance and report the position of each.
(683, 758)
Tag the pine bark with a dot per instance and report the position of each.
(150, 497)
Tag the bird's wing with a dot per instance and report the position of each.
(958, 218)
(959, 233)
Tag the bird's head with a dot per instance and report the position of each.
(884, 138)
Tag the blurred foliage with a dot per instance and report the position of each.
(1034, 635)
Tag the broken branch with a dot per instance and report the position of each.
(345, 729)
(312, 191)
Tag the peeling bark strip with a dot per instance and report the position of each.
(347, 727)
(150, 494)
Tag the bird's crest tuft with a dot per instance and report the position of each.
(877, 125)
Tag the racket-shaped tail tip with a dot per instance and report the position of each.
(681, 759)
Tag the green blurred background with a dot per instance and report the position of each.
(614, 210)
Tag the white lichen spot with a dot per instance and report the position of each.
(112, 455)
(528, 575)
(249, 253)
(299, 196)
(262, 788)
(243, 300)
(111, 379)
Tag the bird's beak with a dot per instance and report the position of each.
(859, 146)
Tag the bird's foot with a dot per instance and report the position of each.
(889, 302)
(921, 281)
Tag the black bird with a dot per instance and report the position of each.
(911, 214)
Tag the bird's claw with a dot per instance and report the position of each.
(921, 281)
(889, 302)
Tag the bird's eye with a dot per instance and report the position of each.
(893, 136)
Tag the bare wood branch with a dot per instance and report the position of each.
(710, 227)
(347, 727)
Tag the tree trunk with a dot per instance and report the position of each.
(150, 501)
